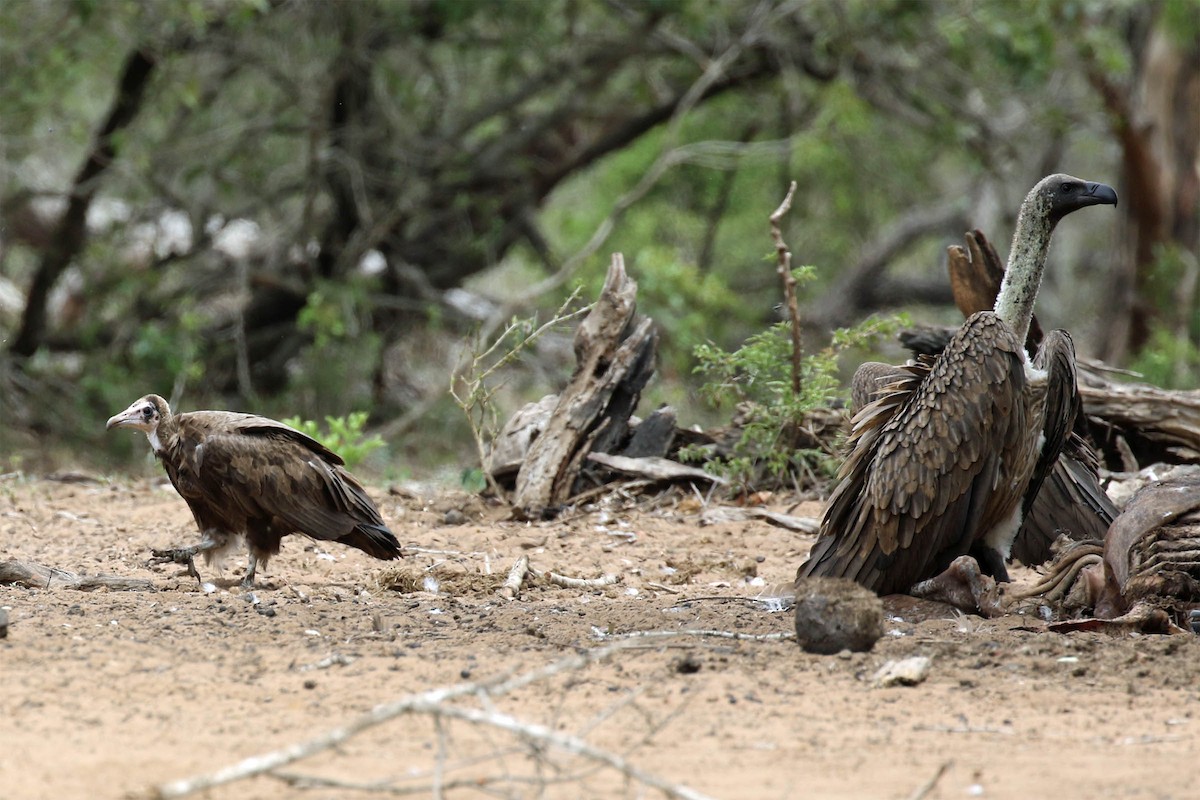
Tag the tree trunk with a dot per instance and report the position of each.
(71, 232)
(1154, 120)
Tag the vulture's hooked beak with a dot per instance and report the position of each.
(1100, 194)
(129, 418)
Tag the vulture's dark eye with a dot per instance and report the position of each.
(1068, 187)
(148, 412)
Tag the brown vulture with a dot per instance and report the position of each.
(250, 477)
(942, 459)
(1071, 501)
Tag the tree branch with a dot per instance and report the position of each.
(71, 232)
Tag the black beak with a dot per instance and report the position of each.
(1100, 194)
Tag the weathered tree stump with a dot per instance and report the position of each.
(614, 353)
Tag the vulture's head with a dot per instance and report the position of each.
(1059, 195)
(144, 415)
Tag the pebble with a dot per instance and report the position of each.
(905, 672)
(835, 614)
(3, 624)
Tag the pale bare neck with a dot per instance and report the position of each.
(1023, 275)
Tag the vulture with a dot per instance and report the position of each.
(252, 478)
(1071, 501)
(943, 457)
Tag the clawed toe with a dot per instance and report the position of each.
(963, 586)
(185, 556)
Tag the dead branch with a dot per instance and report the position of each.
(742, 637)
(925, 788)
(516, 576)
(39, 576)
(719, 514)
(435, 703)
(784, 268)
(652, 468)
(576, 583)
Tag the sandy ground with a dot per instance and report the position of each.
(110, 694)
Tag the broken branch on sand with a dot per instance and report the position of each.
(32, 575)
(436, 703)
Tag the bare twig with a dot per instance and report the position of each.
(927, 787)
(576, 583)
(516, 576)
(742, 637)
(784, 268)
(469, 383)
(436, 703)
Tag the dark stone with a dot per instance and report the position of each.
(835, 614)
(3, 624)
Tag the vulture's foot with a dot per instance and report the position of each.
(177, 555)
(963, 586)
(251, 568)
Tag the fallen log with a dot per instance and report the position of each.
(32, 575)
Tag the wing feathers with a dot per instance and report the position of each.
(927, 471)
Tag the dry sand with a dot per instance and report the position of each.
(110, 694)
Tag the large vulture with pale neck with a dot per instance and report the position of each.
(943, 459)
(245, 476)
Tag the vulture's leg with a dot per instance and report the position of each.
(187, 555)
(963, 586)
(990, 562)
(248, 581)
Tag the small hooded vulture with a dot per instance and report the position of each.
(248, 476)
(944, 458)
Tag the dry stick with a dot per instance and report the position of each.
(927, 787)
(744, 637)
(430, 702)
(576, 583)
(516, 576)
(541, 735)
(784, 256)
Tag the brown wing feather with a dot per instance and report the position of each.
(1064, 493)
(920, 487)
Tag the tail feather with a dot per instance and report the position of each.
(374, 540)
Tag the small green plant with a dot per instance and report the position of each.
(342, 435)
(758, 378)
(473, 384)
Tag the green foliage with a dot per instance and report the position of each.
(474, 384)
(345, 436)
(758, 375)
(1169, 360)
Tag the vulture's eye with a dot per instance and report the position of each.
(148, 412)
(1068, 188)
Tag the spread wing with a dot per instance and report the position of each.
(926, 475)
(254, 468)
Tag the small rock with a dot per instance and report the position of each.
(454, 517)
(835, 614)
(266, 611)
(906, 672)
(688, 665)
(3, 624)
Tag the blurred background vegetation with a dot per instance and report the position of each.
(307, 208)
